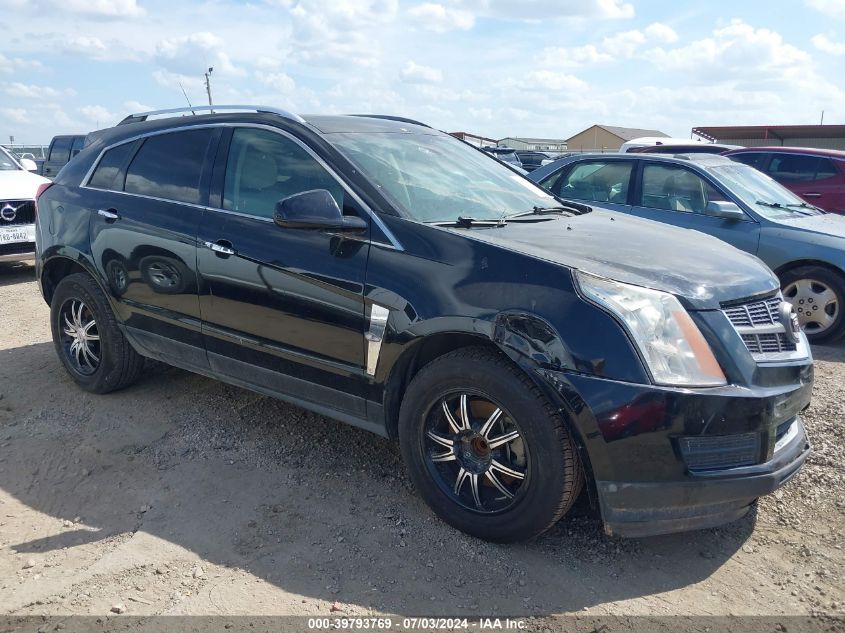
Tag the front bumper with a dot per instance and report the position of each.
(635, 509)
(635, 440)
(18, 257)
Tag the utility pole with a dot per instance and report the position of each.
(208, 85)
(822, 121)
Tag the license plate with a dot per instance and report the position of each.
(9, 235)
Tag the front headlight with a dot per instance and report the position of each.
(672, 345)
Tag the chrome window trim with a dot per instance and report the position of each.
(86, 179)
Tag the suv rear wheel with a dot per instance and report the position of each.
(818, 297)
(88, 341)
(485, 449)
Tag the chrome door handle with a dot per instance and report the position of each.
(219, 248)
(108, 214)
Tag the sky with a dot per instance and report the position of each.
(545, 68)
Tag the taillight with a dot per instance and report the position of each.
(41, 189)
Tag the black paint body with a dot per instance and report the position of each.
(288, 312)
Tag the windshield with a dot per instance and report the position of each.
(7, 163)
(436, 178)
(759, 191)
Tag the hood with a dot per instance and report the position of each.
(700, 270)
(831, 224)
(19, 185)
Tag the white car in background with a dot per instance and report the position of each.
(18, 188)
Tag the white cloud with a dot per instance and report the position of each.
(98, 115)
(573, 57)
(20, 90)
(549, 80)
(16, 115)
(280, 82)
(624, 44)
(133, 107)
(13, 64)
(546, 9)
(661, 32)
(418, 74)
(101, 8)
(827, 45)
(436, 17)
(338, 32)
(736, 49)
(97, 9)
(91, 46)
(191, 55)
(834, 8)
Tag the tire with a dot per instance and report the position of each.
(817, 292)
(542, 452)
(106, 362)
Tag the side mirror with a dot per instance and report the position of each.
(724, 210)
(29, 164)
(317, 210)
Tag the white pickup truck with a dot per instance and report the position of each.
(18, 188)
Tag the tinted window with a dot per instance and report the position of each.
(60, 149)
(596, 181)
(793, 167)
(109, 166)
(169, 166)
(676, 189)
(826, 169)
(757, 160)
(263, 167)
(77, 145)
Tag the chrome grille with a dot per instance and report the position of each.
(768, 343)
(758, 323)
(756, 313)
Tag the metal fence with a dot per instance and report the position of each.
(35, 152)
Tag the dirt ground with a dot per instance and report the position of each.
(182, 495)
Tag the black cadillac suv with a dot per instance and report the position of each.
(520, 348)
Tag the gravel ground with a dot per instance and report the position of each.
(182, 495)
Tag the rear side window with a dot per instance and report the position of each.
(60, 150)
(757, 160)
(109, 166)
(77, 146)
(826, 169)
(169, 166)
(596, 181)
(793, 167)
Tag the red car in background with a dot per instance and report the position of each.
(817, 175)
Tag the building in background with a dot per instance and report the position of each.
(540, 144)
(474, 139)
(818, 136)
(606, 138)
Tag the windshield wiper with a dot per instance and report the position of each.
(571, 209)
(789, 206)
(468, 223)
(773, 205)
(809, 207)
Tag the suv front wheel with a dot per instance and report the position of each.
(88, 341)
(485, 449)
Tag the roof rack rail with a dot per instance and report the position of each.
(142, 116)
(388, 117)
